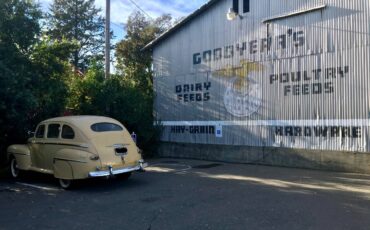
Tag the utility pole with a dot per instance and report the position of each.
(107, 39)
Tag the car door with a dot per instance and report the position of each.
(51, 146)
(37, 145)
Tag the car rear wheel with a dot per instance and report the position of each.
(14, 170)
(65, 184)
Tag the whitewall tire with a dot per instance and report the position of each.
(14, 170)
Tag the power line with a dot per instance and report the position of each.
(137, 6)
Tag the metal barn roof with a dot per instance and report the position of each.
(180, 24)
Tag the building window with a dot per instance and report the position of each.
(246, 6)
(236, 6)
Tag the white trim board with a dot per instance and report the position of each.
(330, 122)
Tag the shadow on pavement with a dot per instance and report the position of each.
(91, 185)
(283, 179)
(4, 173)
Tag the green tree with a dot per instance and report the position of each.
(117, 98)
(19, 30)
(134, 68)
(19, 24)
(85, 92)
(132, 62)
(52, 74)
(78, 20)
(33, 70)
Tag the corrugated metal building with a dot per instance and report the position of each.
(279, 74)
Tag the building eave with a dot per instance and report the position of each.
(180, 24)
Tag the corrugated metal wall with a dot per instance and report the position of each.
(301, 81)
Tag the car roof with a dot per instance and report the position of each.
(86, 120)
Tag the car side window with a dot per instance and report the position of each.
(67, 132)
(53, 131)
(40, 131)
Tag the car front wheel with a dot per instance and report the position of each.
(65, 184)
(14, 170)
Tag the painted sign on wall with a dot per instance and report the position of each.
(300, 82)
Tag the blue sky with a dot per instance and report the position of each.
(121, 9)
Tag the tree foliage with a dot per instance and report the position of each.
(52, 76)
(19, 24)
(15, 67)
(78, 20)
(32, 71)
(133, 101)
(116, 98)
(132, 61)
(37, 80)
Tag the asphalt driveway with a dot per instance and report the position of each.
(192, 194)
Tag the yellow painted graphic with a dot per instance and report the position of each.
(243, 95)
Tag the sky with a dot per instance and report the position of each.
(121, 9)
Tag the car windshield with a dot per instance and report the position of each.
(105, 127)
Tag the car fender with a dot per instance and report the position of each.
(22, 154)
(71, 163)
(63, 169)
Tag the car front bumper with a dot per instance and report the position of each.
(112, 172)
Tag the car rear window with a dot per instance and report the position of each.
(105, 127)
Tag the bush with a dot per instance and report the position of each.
(117, 98)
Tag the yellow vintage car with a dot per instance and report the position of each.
(77, 147)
